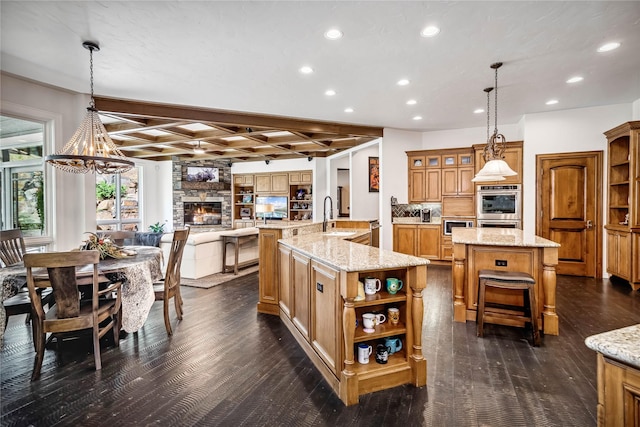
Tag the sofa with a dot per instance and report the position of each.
(202, 254)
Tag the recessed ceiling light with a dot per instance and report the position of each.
(478, 111)
(330, 92)
(403, 82)
(306, 70)
(417, 117)
(575, 79)
(348, 110)
(412, 102)
(552, 102)
(608, 46)
(430, 31)
(333, 34)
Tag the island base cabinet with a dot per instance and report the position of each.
(618, 394)
(323, 315)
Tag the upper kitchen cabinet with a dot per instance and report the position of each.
(433, 174)
(513, 157)
(272, 183)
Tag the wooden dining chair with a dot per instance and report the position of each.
(12, 250)
(170, 286)
(71, 314)
(119, 237)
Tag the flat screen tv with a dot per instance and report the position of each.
(280, 206)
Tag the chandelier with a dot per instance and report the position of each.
(90, 149)
(495, 168)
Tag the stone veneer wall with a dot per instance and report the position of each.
(184, 191)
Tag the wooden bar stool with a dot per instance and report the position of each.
(514, 280)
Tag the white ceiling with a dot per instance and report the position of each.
(245, 56)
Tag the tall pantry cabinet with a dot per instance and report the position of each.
(623, 203)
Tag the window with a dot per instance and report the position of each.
(117, 199)
(23, 202)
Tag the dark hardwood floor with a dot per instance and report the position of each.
(226, 365)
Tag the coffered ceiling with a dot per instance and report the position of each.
(237, 65)
(158, 132)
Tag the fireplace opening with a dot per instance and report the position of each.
(203, 213)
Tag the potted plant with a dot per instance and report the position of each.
(153, 237)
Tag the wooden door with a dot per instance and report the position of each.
(569, 188)
(429, 241)
(432, 187)
(449, 182)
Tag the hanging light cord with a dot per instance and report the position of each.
(92, 103)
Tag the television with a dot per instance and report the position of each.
(280, 206)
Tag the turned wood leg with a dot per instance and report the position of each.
(549, 315)
(349, 382)
(418, 362)
(459, 266)
(167, 323)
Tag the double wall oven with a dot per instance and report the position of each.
(499, 206)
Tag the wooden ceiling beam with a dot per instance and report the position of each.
(199, 114)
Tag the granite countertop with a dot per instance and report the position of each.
(341, 254)
(622, 344)
(500, 237)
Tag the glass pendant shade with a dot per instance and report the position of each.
(91, 148)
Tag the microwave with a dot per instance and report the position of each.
(450, 224)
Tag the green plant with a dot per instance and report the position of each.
(105, 191)
(157, 227)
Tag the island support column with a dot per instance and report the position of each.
(549, 315)
(458, 271)
(418, 280)
(348, 391)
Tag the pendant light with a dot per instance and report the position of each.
(90, 149)
(495, 168)
(198, 149)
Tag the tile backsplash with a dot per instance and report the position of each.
(413, 210)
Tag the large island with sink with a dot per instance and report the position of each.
(311, 281)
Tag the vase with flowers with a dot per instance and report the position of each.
(104, 245)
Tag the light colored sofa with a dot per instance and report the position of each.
(203, 252)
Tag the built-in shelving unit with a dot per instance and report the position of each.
(623, 200)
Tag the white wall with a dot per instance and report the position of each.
(393, 175)
(73, 199)
(364, 205)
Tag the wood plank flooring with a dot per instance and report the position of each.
(227, 365)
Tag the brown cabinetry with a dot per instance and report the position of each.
(327, 310)
(417, 240)
(243, 201)
(272, 183)
(300, 177)
(618, 393)
(513, 157)
(432, 176)
(300, 195)
(623, 202)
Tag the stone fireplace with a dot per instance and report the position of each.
(202, 204)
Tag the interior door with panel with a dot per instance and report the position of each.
(569, 195)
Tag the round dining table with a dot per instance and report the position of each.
(137, 272)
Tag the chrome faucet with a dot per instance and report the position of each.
(324, 208)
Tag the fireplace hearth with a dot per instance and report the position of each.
(203, 213)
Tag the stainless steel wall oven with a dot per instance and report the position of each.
(499, 202)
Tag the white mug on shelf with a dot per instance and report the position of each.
(364, 351)
(372, 285)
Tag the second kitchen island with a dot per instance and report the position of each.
(319, 276)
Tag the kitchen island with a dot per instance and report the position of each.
(503, 249)
(618, 375)
(318, 283)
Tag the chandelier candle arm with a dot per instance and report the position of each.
(90, 149)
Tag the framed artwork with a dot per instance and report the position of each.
(374, 175)
(201, 174)
(246, 198)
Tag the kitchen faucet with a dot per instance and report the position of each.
(324, 218)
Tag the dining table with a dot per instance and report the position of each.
(137, 272)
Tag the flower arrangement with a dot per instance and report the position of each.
(103, 245)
